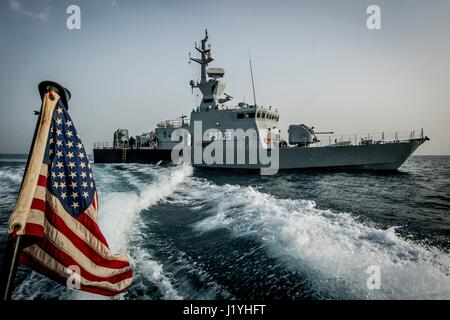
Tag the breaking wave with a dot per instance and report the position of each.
(165, 182)
(12, 177)
(336, 248)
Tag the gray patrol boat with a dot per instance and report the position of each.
(304, 148)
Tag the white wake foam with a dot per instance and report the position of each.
(154, 272)
(164, 186)
(120, 222)
(334, 245)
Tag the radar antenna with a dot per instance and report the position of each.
(251, 73)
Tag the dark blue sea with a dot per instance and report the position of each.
(200, 235)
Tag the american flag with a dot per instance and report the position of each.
(63, 217)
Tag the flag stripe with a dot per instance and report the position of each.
(34, 230)
(104, 259)
(35, 216)
(46, 265)
(44, 170)
(42, 180)
(93, 227)
(38, 204)
(52, 255)
(60, 242)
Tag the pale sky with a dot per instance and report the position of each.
(315, 61)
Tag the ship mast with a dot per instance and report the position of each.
(205, 57)
(209, 85)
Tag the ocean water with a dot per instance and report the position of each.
(200, 235)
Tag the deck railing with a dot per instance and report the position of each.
(367, 138)
(109, 145)
(177, 123)
(103, 145)
(334, 140)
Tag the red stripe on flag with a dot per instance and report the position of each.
(38, 204)
(28, 260)
(34, 230)
(67, 260)
(92, 226)
(42, 181)
(98, 290)
(87, 250)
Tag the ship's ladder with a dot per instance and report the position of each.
(124, 155)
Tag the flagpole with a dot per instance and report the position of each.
(23, 204)
(9, 267)
(10, 261)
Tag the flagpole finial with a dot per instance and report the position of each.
(48, 86)
(50, 94)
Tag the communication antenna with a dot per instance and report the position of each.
(251, 73)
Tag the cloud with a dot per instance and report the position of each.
(16, 6)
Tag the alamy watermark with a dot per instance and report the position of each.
(74, 279)
(374, 280)
(247, 149)
(374, 19)
(73, 21)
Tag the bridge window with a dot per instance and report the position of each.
(250, 115)
(241, 115)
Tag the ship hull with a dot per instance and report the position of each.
(363, 157)
(380, 157)
(148, 156)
